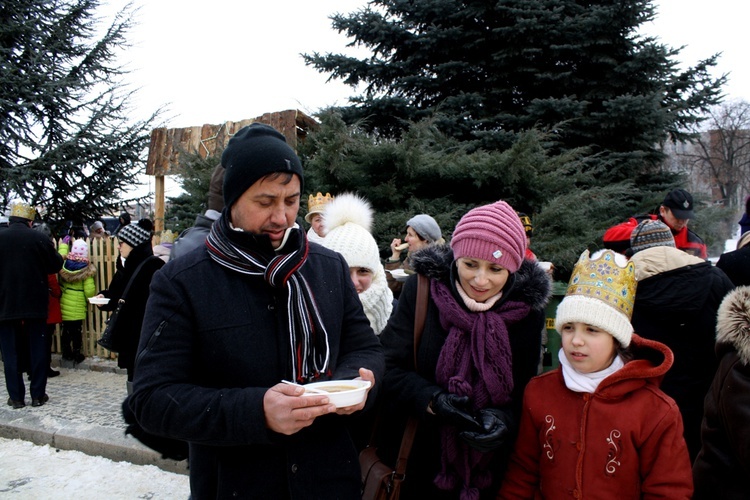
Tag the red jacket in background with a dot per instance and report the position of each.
(54, 314)
(623, 441)
(617, 237)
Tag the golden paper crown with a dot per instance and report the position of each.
(23, 210)
(167, 236)
(316, 204)
(604, 279)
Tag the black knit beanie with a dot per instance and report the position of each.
(254, 152)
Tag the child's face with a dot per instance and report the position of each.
(587, 348)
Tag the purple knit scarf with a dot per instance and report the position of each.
(475, 361)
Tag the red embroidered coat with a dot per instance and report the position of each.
(623, 441)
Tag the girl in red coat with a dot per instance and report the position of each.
(599, 426)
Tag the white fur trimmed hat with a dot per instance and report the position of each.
(346, 221)
(601, 293)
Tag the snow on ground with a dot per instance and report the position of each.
(28, 471)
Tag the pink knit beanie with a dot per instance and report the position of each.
(493, 233)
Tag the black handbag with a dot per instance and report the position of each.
(111, 339)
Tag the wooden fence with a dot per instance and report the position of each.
(104, 254)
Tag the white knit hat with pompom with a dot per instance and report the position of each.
(347, 221)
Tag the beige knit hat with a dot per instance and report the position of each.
(347, 220)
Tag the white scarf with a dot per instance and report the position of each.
(586, 382)
(377, 301)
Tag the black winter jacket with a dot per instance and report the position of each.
(676, 305)
(27, 257)
(406, 392)
(213, 342)
(723, 464)
(736, 265)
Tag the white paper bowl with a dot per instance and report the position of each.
(354, 391)
(99, 300)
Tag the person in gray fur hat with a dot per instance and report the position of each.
(421, 230)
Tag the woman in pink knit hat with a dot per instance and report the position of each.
(480, 346)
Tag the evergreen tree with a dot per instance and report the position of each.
(67, 143)
(493, 69)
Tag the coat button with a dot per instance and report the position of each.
(271, 307)
(294, 468)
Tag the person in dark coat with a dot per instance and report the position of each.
(27, 258)
(736, 264)
(137, 273)
(723, 463)
(676, 303)
(194, 237)
(225, 324)
(480, 346)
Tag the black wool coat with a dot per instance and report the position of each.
(213, 342)
(130, 320)
(27, 257)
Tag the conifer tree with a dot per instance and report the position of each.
(67, 141)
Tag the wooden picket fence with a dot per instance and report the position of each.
(104, 254)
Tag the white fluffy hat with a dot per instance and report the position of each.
(347, 220)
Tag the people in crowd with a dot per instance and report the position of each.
(136, 274)
(97, 230)
(77, 284)
(226, 324)
(675, 211)
(598, 426)
(480, 346)
(123, 220)
(421, 230)
(736, 264)
(316, 204)
(720, 470)
(27, 258)
(676, 304)
(347, 221)
(195, 237)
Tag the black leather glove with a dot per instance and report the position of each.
(453, 410)
(496, 428)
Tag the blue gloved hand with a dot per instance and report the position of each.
(496, 428)
(454, 410)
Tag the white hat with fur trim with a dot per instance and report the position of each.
(347, 220)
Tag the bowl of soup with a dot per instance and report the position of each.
(341, 393)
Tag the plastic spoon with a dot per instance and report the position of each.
(307, 389)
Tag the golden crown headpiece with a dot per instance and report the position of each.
(23, 210)
(316, 203)
(603, 278)
(167, 236)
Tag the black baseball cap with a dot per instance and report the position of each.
(680, 202)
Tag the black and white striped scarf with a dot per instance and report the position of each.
(253, 254)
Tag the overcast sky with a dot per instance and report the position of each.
(210, 62)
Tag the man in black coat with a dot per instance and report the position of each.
(27, 257)
(224, 325)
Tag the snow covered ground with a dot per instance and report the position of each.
(28, 471)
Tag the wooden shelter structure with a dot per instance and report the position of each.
(168, 144)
